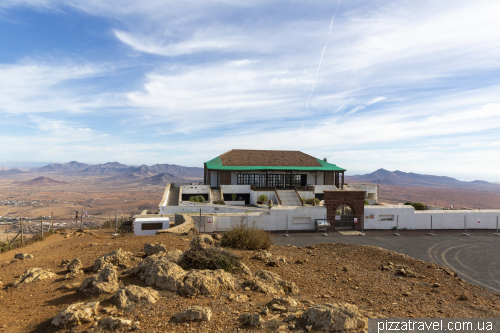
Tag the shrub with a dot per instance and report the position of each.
(310, 201)
(210, 258)
(408, 203)
(245, 237)
(233, 196)
(262, 198)
(197, 198)
(366, 203)
(418, 206)
(219, 202)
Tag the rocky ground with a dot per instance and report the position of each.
(144, 290)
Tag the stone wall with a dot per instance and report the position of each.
(355, 199)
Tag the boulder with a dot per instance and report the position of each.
(105, 281)
(136, 294)
(76, 314)
(263, 255)
(114, 323)
(5, 263)
(335, 317)
(202, 241)
(173, 256)
(23, 256)
(217, 237)
(251, 319)
(193, 232)
(276, 262)
(118, 258)
(150, 249)
(270, 283)
(64, 263)
(162, 274)
(74, 266)
(284, 301)
(207, 282)
(32, 275)
(193, 313)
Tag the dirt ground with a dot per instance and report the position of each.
(332, 272)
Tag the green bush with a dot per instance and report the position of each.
(366, 203)
(233, 196)
(197, 198)
(262, 198)
(210, 258)
(219, 202)
(310, 201)
(244, 237)
(418, 206)
(408, 203)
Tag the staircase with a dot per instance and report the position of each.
(173, 197)
(288, 198)
(216, 194)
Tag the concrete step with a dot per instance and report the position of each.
(289, 198)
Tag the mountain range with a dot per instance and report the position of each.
(399, 178)
(155, 174)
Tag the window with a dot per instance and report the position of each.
(295, 180)
(152, 226)
(248, 179)
(274, 180)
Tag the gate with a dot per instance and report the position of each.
(344, 218)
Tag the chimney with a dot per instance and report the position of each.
(324, 159)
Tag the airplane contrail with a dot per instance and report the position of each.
(319, 65)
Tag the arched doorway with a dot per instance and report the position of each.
(344, 217)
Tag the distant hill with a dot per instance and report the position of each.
(106, 168)
(7, 171)
(65, 167)
(162, 179)
(41, 181)
(399, 178)
(177, 171)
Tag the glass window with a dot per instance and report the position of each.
(248, 179)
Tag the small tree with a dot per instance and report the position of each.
(263, 198)
(418, 206)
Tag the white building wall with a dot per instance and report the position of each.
(321, 188)
(441, 219)
(299, 218)
(371, 191)
(195, 189)
(229, 189)
(140, 221)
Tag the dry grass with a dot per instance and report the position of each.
(245, 237)
(210, 258)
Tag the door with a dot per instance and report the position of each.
(344, 218)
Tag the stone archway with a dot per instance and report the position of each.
(355, 200)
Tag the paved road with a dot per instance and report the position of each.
(475, 258)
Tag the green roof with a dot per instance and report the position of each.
(216, 164)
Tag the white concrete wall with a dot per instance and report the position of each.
(371, 191)
(139, 221)
(229, 189)
(306, 194)
(321, 188)
(441, 219)
(299, 218)
(195, 189)
(205, 209)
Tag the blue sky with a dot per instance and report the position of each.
(404, 85)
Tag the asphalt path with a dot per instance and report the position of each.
(475, 258)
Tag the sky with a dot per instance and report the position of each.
(401, 85)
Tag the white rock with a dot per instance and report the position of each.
(113, 322)
(193, 313)
(32, 275)
(136, 294)
(76, 314)
(335, 317)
